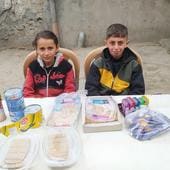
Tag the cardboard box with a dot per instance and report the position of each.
(101, 101)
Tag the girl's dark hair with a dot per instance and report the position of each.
(116, 30)
(47, 35)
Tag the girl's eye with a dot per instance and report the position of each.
(50, 48)
(42, 49)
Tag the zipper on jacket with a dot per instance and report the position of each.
(47, 80)
(47, 84)
(48, 74)
(116, 75)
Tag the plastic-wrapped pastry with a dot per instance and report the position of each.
(58, 147)
(61, 146)
(65, 111)
(145, 124)
(19, 152)
(100, 110)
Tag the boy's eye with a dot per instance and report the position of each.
(112, 43)
(120, 42)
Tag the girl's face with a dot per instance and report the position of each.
(46, 49)
(116, 46)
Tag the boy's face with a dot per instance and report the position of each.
(46, 49)
(116, 46)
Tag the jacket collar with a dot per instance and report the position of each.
(58, 58)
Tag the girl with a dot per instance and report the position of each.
(50, 74)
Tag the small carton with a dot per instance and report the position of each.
(100, 113)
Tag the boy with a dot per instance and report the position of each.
(117, 71)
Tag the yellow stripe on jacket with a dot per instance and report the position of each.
(115, 83)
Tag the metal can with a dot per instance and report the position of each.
(33, 117)
(2, 113)
(15, 103)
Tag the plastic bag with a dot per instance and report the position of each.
(100, 109)
(145, 124)
(66, 109)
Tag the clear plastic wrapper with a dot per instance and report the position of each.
(131, 104)
(100, 110)
(19, 152)
(100, 113)
(66, 110)
(145, 124)
(61, 147)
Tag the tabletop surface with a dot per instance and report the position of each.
(116, 150)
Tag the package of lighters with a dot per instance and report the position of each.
(131, 104)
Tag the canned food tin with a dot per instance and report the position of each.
(32, 118)
(2, 113)
(15, 103)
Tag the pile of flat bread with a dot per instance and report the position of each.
(64, 117)
(17, 153)
(58, 147)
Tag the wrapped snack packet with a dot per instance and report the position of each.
(66, 109)
(145, 124)
(100, 109)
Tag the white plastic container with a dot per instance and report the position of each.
(51, 139)
(28, 160)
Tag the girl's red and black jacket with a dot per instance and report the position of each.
(47, 82)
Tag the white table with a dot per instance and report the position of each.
(117, 150)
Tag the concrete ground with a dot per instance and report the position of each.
(155, 56)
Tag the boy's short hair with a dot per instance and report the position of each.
(46, 34)
(116, 30)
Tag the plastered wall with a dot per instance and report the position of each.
(20, 20)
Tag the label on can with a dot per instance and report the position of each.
(15, 103)
(33, 117)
